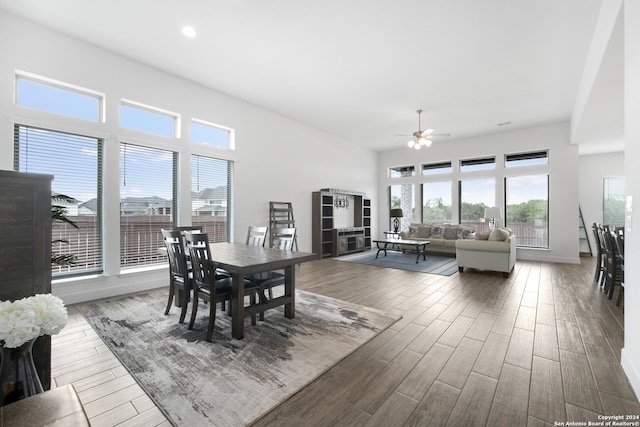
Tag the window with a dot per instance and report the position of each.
(212, 197)
(475, 196)
(613, 201)
(402, 171)
(59, 98)
(436, 168)
(402, 197)
(207, 133)
(436, 202)
(527, 212)
(526, 159)
(144, 118)
(477, 164)
(148, 186)
(75, 161)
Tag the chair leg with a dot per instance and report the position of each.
(598, 267)
(183, 311)
(212, 320)
(252, 301)
(620, 293)
(194, 309)
(171, 291)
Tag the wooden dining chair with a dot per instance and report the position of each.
(599, 255)
(614, 272)
(282, 239)
(180, 279)
(207, 286)
(256, 235)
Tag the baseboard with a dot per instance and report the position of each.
(631, 370)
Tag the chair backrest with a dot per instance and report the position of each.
(282, 238)
(176, 253)
(596, 234)
(202, 265)
(256, 236)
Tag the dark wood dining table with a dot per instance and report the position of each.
(243, 260)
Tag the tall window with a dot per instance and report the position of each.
(436, 202)
(402, 197)
(475, 196)
(212, 197)
(148, 186)
(527, 213)
(613, 201)
(75, 161)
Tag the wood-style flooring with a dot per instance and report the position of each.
(472, 349)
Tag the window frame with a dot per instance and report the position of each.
(60, 85)
(176, 117)
(529, 155)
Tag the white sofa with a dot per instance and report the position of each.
(495, 251)
(442, 237)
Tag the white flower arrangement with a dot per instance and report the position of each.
(26, 319)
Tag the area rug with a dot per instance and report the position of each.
(229, 382)
(434, 264)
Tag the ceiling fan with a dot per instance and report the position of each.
(422, 138)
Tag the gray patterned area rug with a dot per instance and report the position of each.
(444, 265)
(229, 382)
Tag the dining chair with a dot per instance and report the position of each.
(618, 238)
(282, 239)
(614, 272)
(256, 235)
(180, 279)
(207, 286)
(599, 255)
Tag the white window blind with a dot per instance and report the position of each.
(148, 182)
(212, 197)
(75, 161)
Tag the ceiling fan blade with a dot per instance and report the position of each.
(402, 134)
(426, 132)
(439, 135)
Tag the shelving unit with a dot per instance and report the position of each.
(281, 216)
(329, 240)
(584, 234)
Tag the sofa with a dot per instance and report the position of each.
(495, 251)
(442, 237)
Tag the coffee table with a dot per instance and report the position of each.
(394, 245)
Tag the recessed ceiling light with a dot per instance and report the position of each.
(189, 31)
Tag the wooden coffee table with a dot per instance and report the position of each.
(394, 245)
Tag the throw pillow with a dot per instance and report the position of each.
(413, 230)
(464, 231)
(404, 235)
(424, 231)
(481, 236)
(450, 233)
(437, 232)
(498, 235)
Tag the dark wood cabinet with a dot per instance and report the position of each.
(330, 239)
(25, 247)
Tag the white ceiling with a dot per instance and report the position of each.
(358, 69)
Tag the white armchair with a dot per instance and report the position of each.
(496, 253)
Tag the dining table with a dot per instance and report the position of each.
(241, 261)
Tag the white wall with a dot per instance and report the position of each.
(277, 159)
(591, 171)
(562, 170)
(631, 351)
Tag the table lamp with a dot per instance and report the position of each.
(395, 214)
(492, 213)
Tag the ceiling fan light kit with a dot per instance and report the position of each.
(420, 137)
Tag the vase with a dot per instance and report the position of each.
(18, 375)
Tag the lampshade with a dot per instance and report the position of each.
(396, 213)
(493, 212)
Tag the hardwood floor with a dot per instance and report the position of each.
(471, 349)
